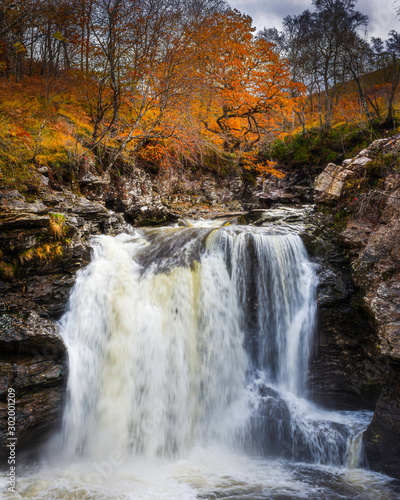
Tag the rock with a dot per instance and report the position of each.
(385, 304)
(382, 438)
(43, 170)
(372, 244)
(280, 215)
(25, 332)
(334, 286)
(209, 190)
(44, 181)
(18, 204)
(347, 369)
(88, 178)
(20, 220)
(135, 197)
(356, 234)
(33, 364)
(329, 185)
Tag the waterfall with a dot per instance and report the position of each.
(180, 337)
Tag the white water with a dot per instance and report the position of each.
(160, 349)
(188, 352)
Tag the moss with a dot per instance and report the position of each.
(317, 149)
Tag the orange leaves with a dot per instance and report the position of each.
(251, 162)
(155, 81)
(20, 133)
(154, 153)
(251, 86)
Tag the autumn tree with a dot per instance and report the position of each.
(250, 86)
(142, 59)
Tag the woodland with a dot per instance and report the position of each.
(96, 85)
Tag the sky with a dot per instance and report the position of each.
(269, 13)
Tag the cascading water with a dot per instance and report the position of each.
(188, 348)
(181, 322)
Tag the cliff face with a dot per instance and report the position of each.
(371, 239)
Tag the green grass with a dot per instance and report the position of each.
(315, 149)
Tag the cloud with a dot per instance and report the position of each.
(270, 13)
(382, 15)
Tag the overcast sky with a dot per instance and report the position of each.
(269, 13)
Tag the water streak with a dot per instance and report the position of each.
(186, 336)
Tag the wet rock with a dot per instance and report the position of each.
(382, 438)
(25, 332)
(279, 215)
(347, 368)
(33, 365)
(334, 286)
(269, 427)
(278, 428)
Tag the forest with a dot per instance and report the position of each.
(91, 85)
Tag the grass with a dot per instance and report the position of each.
(316, 150)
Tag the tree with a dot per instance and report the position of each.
(317, 45)
(357, 59)
(250, 85)
(393, 50)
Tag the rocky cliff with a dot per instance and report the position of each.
(363, 198)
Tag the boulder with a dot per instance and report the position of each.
(331, 183)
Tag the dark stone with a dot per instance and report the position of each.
(33, 364)
(346, 370)
(382, 438)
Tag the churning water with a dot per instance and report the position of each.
(188, 352)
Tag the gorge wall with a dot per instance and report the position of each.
(356, 360)
(369, 234)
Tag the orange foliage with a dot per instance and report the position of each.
(213, 93)
(250, 86)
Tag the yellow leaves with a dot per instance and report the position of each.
(19, 47)
(154, 153)
(56, 226)
(6, 270)
(58, 36)
(46, 252)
